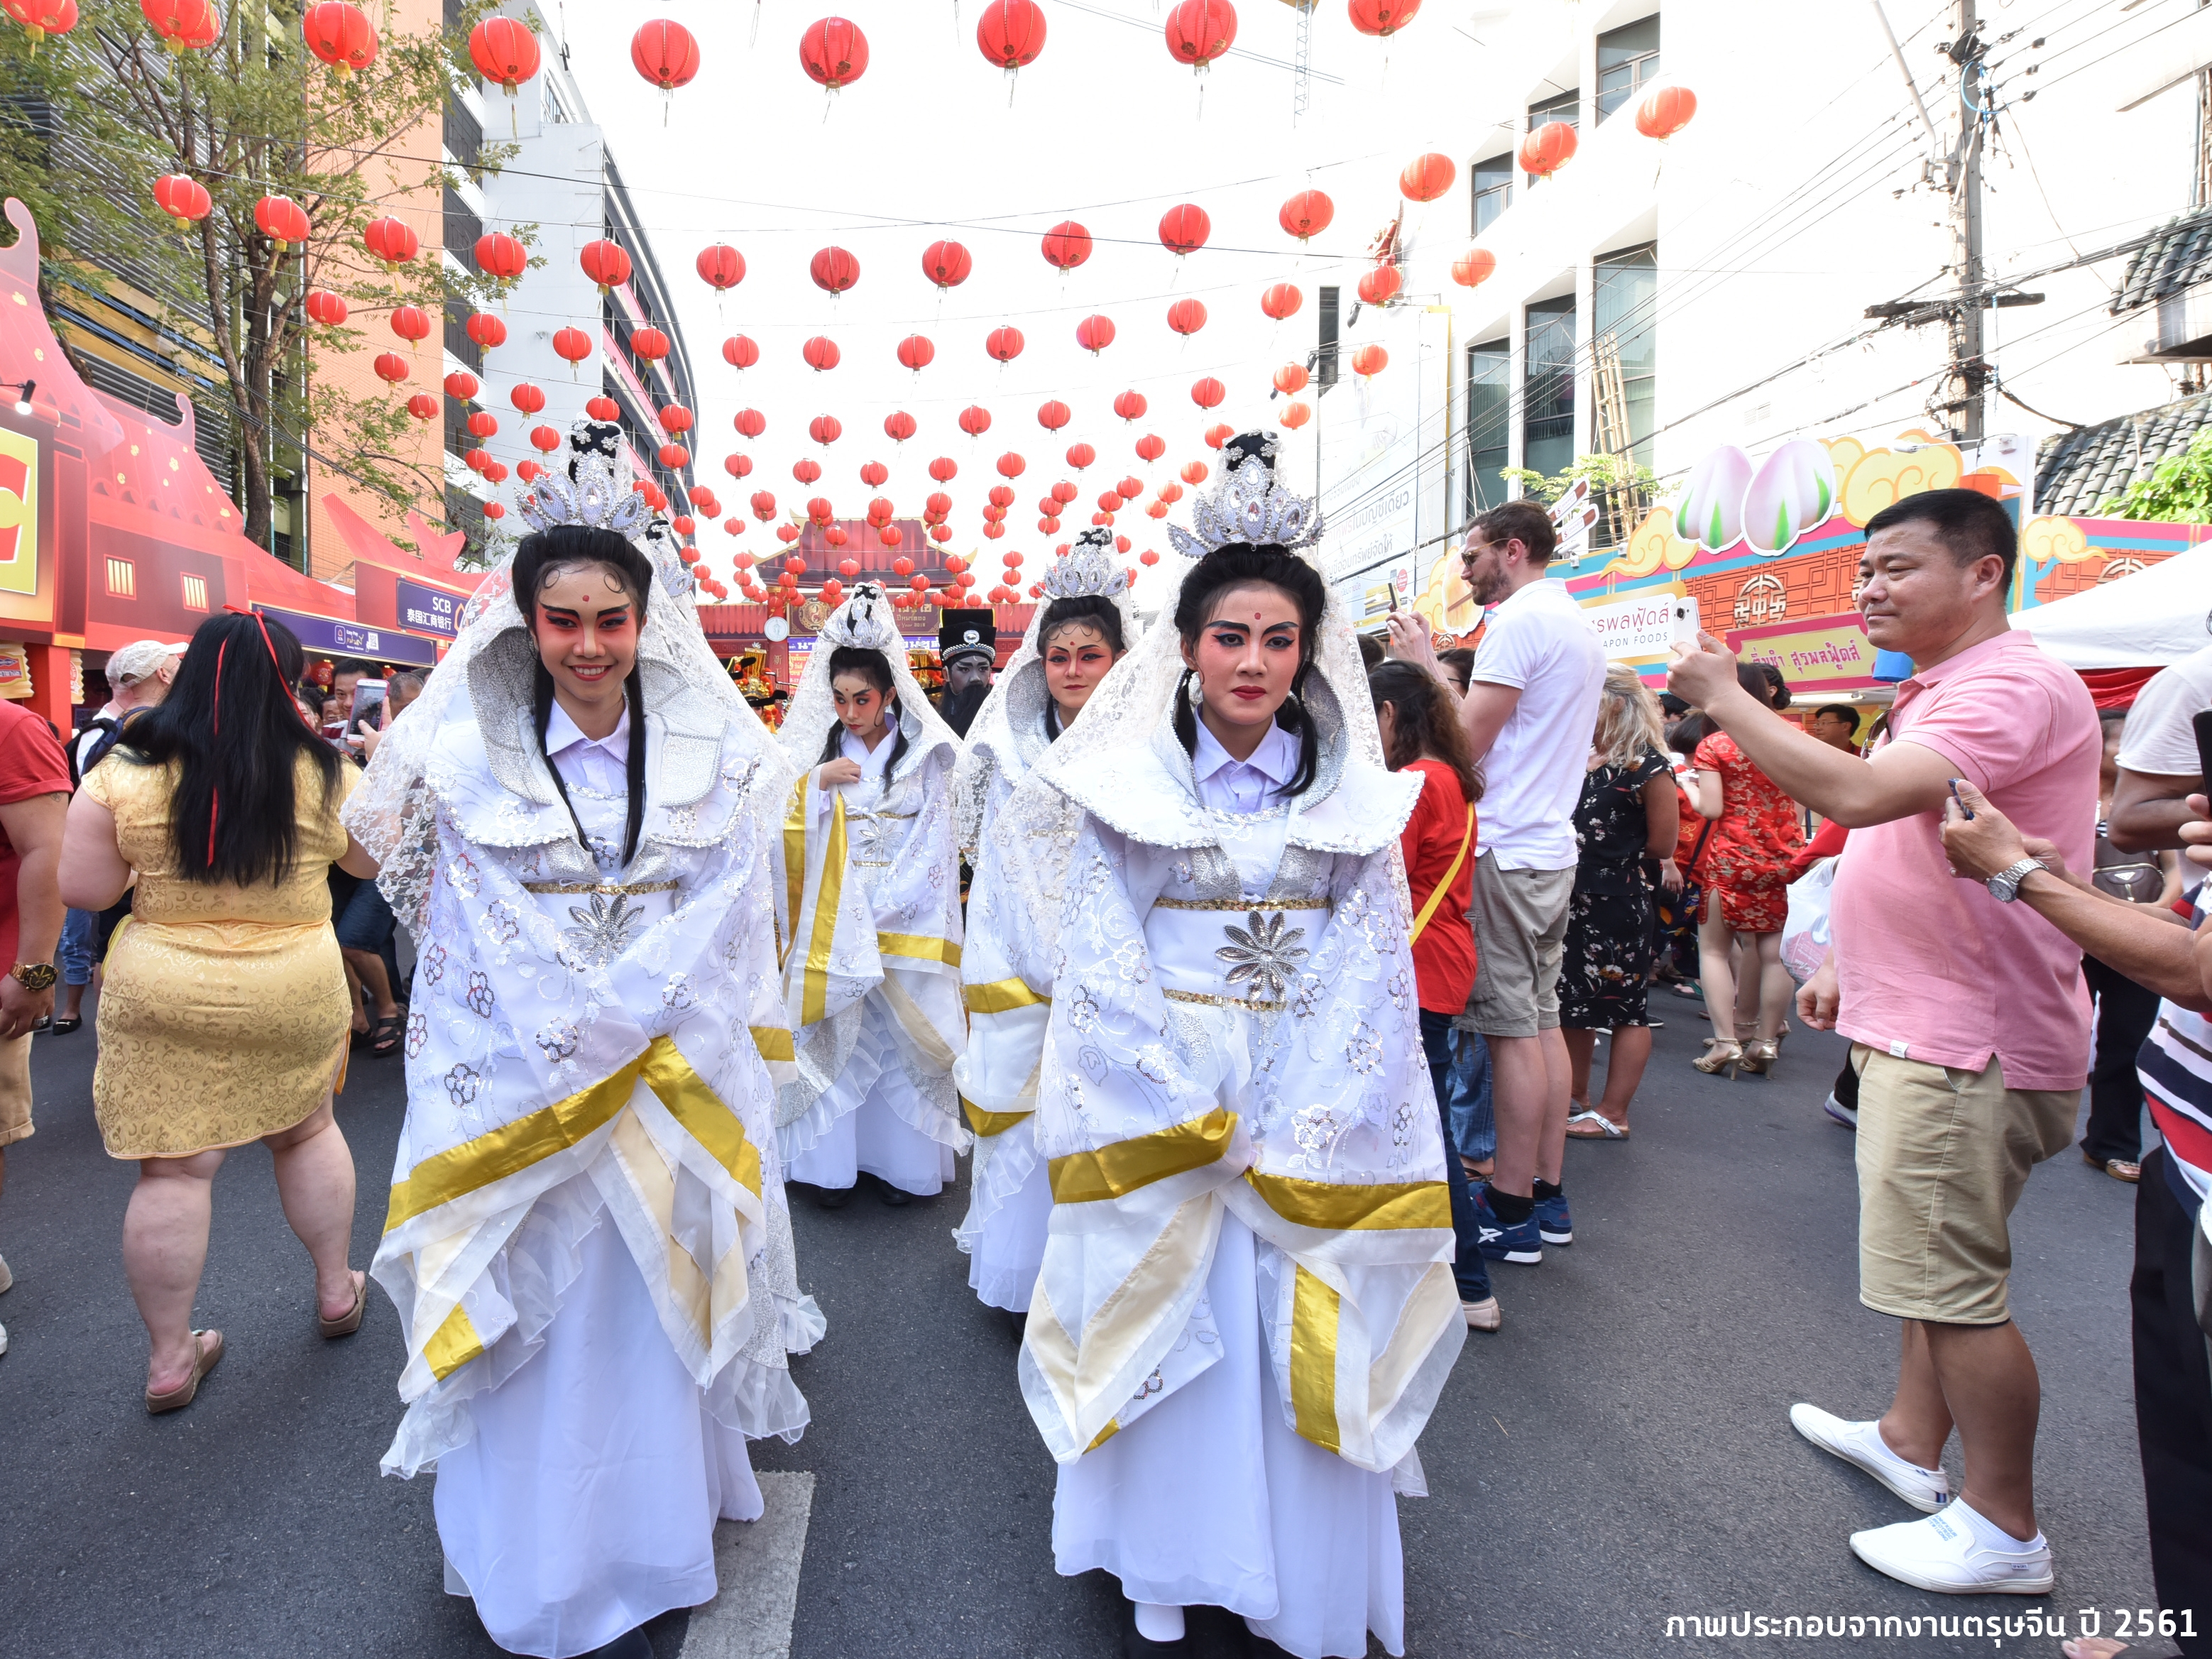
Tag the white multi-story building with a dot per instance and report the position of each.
(1713, 288)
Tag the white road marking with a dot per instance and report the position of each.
(757, 1564)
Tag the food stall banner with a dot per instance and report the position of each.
(1816, 655)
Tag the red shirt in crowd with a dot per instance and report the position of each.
(31, 764)
(1436, 835)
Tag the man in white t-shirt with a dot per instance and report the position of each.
(2159, 769)
(1530, 711)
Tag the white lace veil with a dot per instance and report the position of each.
(865, 618)
(489, 662)
(1013, 714)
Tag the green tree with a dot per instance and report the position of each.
(91, 119)
(2177, 490)
(1619, 487)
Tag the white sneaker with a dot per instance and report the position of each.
(7, 1277)
(3, 1339)
(1957, 1552)
(1862, 1446)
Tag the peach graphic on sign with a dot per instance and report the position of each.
(1794, 491)
(1712, 513)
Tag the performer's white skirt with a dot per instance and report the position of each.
(586, 1503)
(876, 1109)
(1210, 1499)
(1007, 1248)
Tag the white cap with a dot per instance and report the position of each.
(141, 659)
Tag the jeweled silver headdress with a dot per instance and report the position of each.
(864, 619)
(1247, 506)
(598, 492)
(1089, 568)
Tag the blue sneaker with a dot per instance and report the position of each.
(1499, 1242)
(1553, 1224)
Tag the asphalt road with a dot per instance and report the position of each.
(1621, 1452)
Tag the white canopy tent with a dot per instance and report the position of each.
(2155, 617)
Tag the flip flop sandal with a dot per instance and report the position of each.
(346, 1323)
(1601, 1127)
(206, 1352)
(383, 1036)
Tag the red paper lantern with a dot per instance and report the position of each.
(1129, 489)
(605, 263)
(1543, 152)
(1054, 414)
(1383, 17)
(737, 467)
(919, 584)
(1207, 392)
(493, 510)
(902, 567)
(821, 354)
(1290, 379)
(1666, 111)
(1111, 501)
(340, 34)
(806, 472)
(572, 345)
(703, 500)
(880, 513)
(1171, 493)
(820, 510)
(664, 53)
(461, 386)
(496, 471)
(1005, 344)
(1064, 492)
(1194, 473)
(544, 438)
(1130, 405)
(604, 410)
(737, 527)
(1378, 287)
(486, 330)
(898, 426)
(955, 564)
(1048, 524)
(943, 468)
(1184, 230)
(1218, 435)
(181, 25)
(1200, 31)
(183, 197)
(390, 366)
(749, 422)
(325, 307)
(787, 533)
(825, 429)
(947, 265)
(1078, 456)
(683, 524)
(282, 220)
(1295, 415)
(834, 53)
(764, 505)
(974, 421)
(1146, 557)
(872, 474)
(1427, 177)
(940, 534)
(504, 52)
(1282, 300)
(482, 424)
(1150, 448)
(1002, 497)
(890, 535)
(529, 399)
(720, 266)
(1012, 34)
(1157, 510)
(1012, 465)
(1095, 334)
(994, 530)
(833, 269)
(476, 460)
(422, 406)
(389, 241)
(500, 256)
(1187, 317)
(674, 457)
(739, 352)
(1067, 246)
(916, 352)
(938, 505)
(1370, 360)
(1306, 214)
(1473, 267)
(675, 418)
(649, 343)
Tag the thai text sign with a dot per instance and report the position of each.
(1830, 652)
(427, 610)
(1640, 628)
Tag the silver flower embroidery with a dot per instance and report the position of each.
(1263, 955)
(479, 996)
(1150, 1386)
(418, 1033)
(1083, 1010)
(677, 994)
(462, 1083)
(1317, 1129)
(601, 932)
(502, 921)
(462, 872)
(1311, 993)
(1363, 1050)
(558, 1039)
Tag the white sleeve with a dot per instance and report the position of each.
(2159, 739)
(1508, 652)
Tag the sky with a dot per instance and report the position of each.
(1105, 128)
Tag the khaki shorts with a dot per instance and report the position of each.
(1943, 1155)
(1520, 919)
(15, 1090)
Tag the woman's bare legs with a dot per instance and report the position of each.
(1581, 1046)
(1714, 971)
(1776, 990)
(315, 1180)
(165, 1234)
(1624, 1071)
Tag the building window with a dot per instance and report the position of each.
(1627, 59)
(462, 228)
(462, 134)
(1567, 107)
(195, 592)
(1623, 303)
(1547, 441)
(1489, 422)
(1493, 190)
(122, 579)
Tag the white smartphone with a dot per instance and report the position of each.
(1685, 621)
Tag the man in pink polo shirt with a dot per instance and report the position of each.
(1969, 1018)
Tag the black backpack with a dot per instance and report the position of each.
(110, 732)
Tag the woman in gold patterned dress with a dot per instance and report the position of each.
(223, 1017)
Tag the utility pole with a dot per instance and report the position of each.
(1968, 369)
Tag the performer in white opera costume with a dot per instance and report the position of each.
(587, 1242)
(868, 891)
(1246, 1310)
(1074, 639)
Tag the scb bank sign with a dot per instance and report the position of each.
(329, 636)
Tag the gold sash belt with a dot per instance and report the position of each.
(1239, 904)
(1207, 998)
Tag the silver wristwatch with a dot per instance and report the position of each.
(2004, 886)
